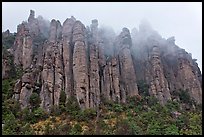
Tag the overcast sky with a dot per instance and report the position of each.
(179, 19)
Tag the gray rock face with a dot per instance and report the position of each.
(32, 16)
(55, 31)
(33, 24)
(52, 77)
(80, 70)
(188, 78)
(17, 89)
(93, 64)
(67, 47)
(26, 89)
(126, 64)
(25, 96)
(167, 67)
(111, 80)
(158, 85)
(27, 52)
(19, 45)
(52, 72)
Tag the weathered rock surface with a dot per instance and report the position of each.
(158, 84)
(55, 31)
(92, 64)
(80, 70)
(188, 78)
(52, 76)
(126, 64)
(164, 66)
(67, 48)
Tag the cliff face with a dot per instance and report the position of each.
(164, 66)
(86, 63)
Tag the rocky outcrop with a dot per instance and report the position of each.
(127, 70)
(158, 62)
(158, 85)
(52, 73)
(188, 78)
(55, 31)
(33, 25)
(94, 89)
(22, 42)
(67, 49)
(26, 89)
(111, 80)
(28, 37)
(80, 70)
(94, 65)
(52, 76)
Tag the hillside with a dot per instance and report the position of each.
(89, 80)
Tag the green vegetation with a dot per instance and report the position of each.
(118, 119)
(35, 100)
(143, 88)
(8, 41)
(139, 116)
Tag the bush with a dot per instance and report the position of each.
(7, 88)
(72, 106)
(172, 105)
(10, 126)
(39, 113)
(154, 128)
(31, 116)
(171, 130)
(55, 111)
(8, 41)
(136, 130)
(127, 127)
(62, 98)
(143, 88)
(10, 106)
(26, 130)
(26, 115)
(58, 129)
(35, 100)
(151, 101)
(123, 128)
(76, 130)
(132, 101)
(184, 96)
(158, 108)
(18, 72)
(117, 107)
(86, 115)
(62, 108)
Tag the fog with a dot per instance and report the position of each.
(179, 19)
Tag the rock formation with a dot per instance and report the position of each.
(158, 85)
(67, 55)
(94, 65)
(127, 69)
(80, 69)
(94, 89)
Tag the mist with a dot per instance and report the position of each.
(181, 20)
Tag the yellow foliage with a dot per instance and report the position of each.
(72, 123)
(84, 128)
(111, 122)
(123, 115)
